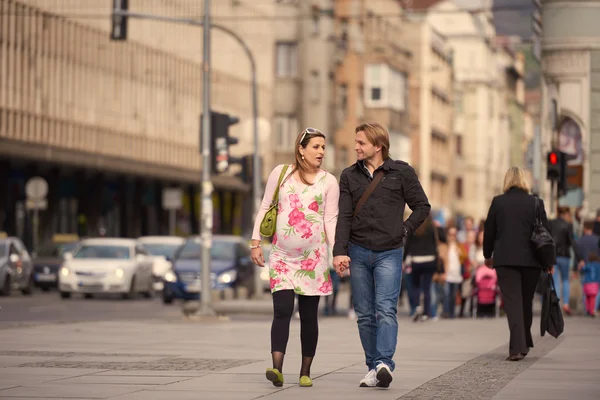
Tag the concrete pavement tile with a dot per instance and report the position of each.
(558, 375)
(549, 390)
(176, 374)
(49, 371)
(13, 361)
(347, 393)
(24, 379)
(228, 383)
(118, 380)
(70, 391)
(188, 395)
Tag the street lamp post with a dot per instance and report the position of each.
(207, 188)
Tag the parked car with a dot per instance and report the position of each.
(231, 267)
(106, 265)
(16, 268)
(49, 258)
(162, 250)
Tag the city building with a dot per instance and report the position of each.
(437, 147)
(303, 92)
(570, 116)
(484, 138)
(110, 124)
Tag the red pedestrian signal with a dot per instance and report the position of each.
(553, 158)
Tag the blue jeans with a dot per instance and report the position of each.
(562, 269)
(450, 290)
(376, 277)
(408, 285)
(437, 296)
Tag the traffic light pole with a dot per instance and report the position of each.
(206, 222)
(207, 188)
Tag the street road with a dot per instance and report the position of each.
(48, 307)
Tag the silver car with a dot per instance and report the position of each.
(16, 267)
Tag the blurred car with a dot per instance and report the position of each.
(162, 250)
(264, 272)
(49, 258)
(16, 268)
(106, 265)
(231, 267)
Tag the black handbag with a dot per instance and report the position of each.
(552, 319)
(542, 241)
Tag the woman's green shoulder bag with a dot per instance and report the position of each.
(269, 222)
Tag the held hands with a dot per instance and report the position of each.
(489, 262)
(341, 264)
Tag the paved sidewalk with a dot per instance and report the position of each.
(221, 359)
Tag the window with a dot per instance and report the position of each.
(459, 188)
(287, 60)
(286, 130)
(385, 87)
(459, 145)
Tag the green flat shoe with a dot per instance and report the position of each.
(275, 376)
(305, 381)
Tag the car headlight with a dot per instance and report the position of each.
(227, 277)
(64, 271)
(119, 273)
(170, 277)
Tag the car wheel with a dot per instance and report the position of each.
(5, 289)
(167, 298)
(45, 288)
(88, 295)
(131, 293)
(28, 290)
(65, 295)
(149, 293)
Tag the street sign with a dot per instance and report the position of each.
(172, 198)
(36, 204)
(36, 188)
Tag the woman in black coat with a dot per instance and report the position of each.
(506, 247)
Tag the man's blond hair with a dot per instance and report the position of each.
(377, 135)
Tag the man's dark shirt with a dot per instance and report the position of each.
(379, 223)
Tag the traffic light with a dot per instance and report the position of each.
(119, 22)
(557, 169)
(220, 140)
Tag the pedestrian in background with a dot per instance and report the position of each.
(369, 239)
(421, 256)
(506, 247)
(299, 260)
(561, 229)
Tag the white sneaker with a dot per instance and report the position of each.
(370, 380)
(384, 375)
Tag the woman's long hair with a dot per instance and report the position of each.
(302, 141)
(515, 178)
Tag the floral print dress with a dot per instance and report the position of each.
(306, 219)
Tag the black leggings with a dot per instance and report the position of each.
(283, 308)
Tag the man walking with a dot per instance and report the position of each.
(369, 239)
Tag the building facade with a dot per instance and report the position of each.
(303, 94)
(479, 107)
(436, 155)
(570, 118)
(110, 124)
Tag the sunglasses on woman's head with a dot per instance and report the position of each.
(311, 131)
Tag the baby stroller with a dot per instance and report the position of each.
(485, 293)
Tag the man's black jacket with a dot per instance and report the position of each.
(379, 224)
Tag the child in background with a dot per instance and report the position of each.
(590, 278)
